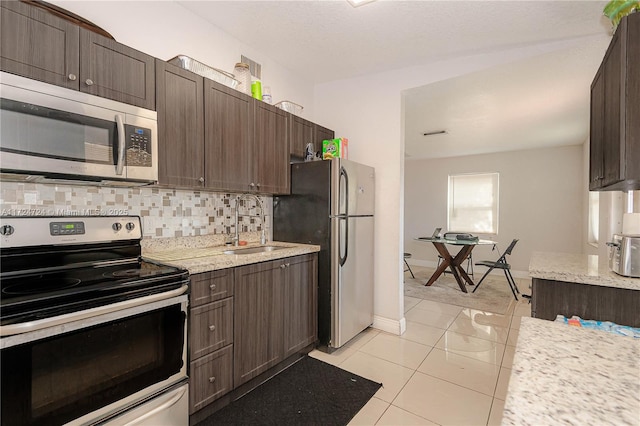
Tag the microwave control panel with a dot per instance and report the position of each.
(138, 146)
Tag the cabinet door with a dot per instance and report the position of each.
(38, 45)
(257, 319)
(228, 123)
(271, 150)
(613, 156)
(632, 102)
(300, 303)
(210, 377)
(596, 141)
(302, 133)
(211, 327)
(180, 105)
(114, 71)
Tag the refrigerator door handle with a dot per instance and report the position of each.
(343, 260)
(343, 173)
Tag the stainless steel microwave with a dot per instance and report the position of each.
(53, 132)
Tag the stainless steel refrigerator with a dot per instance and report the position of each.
(332, 205)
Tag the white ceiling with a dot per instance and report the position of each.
(541, 101)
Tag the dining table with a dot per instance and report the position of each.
(454, 263)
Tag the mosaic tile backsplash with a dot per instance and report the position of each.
(164, 212)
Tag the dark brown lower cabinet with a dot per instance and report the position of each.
(211, 377)
(550, 298)
(300, 304)
(211, 327)
(257, 319)
(246, 320)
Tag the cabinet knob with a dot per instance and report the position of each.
(282, 266)
(72, 77)
(212, 379)
(287, 264)
(212, 327)
(258, 185)
(201, 180)
(212, 286)
(252, 184)
(89, 82)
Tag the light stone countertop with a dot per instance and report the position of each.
(578, 268)
(204, 254)
(573, 376)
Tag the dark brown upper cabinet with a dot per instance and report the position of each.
(304, 132)
(41, 46)
(614, 162)
(179, 100)
(114, 71)
(228, 138)
(246, 143)
(270, 151)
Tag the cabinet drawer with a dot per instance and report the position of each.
(211, 327)
(210, 378)
(211, 286)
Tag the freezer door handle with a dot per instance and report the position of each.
(343, 174)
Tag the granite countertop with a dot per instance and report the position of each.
(204, 254)
(569, 375)
(578, 268)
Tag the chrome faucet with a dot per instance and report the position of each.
(263, 236)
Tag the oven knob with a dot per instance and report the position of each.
(116, 226)
(130, 226)
(6, 229)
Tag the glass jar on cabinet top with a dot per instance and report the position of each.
(243, 75)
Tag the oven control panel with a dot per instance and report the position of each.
(66, 228)
(26, 231)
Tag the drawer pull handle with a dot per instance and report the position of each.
(212, 379)
(212, 327)
(212, 286)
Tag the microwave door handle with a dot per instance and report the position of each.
(121, 145)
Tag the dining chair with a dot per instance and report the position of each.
(408, 256)
(501, 263)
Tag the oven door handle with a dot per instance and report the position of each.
(166, 401)
(12, 329)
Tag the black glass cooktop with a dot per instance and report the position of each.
(38, 295)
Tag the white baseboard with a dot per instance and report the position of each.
(434, 264)
(397, 327)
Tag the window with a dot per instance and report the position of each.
(594, 218)
(473, 203)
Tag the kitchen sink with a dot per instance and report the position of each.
(253, 250)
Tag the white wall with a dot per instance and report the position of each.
(541, 201)
(368, 111)
(164, 29)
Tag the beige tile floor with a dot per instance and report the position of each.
(451, 366)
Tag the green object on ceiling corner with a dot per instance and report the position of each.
(615, 10)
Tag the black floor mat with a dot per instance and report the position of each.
(310, 392)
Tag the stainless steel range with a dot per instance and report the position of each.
(89, 331)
